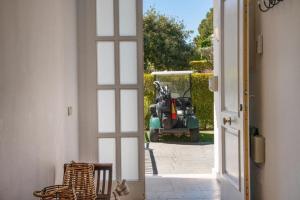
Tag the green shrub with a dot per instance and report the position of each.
(201, 96)
(201, 65)
(203, 100)
(149, 96)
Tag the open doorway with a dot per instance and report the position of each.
(178, 106)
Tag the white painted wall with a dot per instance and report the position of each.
(277, 98)
(38, 80)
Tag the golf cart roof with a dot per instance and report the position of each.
(167, 73)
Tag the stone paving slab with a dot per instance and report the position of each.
(180, 172)
(182, 187)
(179, 158)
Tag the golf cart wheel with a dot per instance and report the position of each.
(195, 136)
(154, 137)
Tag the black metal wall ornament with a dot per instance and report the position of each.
(266, 5)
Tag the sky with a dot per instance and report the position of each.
(190, 11)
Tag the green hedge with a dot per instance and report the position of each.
(202, 99)
(201, 65)
(149, 97)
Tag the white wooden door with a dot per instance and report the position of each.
(233, 116)
(111, 88)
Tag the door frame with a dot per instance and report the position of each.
(87, 80)
(218, 63)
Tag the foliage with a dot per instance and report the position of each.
(203, 100)
(201, 96)
(204, 44)
(179, 85)
(206, 54)
(206, 137)
(149, 97)
(165, 43)
(205, 29)
(201, 65)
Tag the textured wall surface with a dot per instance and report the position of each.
(276, 80)
(38, 80)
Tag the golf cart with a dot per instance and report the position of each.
(173, 112)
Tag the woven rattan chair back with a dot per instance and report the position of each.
(103, 180)
(80, 177)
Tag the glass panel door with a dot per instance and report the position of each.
(119, 45)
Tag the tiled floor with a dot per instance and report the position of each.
(180, 172)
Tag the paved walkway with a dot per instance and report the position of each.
(180, 172)
(177, 187)
(163, 158)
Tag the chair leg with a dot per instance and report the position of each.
(116, 196)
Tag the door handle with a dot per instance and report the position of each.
(227, 120)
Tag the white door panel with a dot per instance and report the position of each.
(105, 17)
(105, 63)
(128, 63)
(127, 13)
(232, 168)
(130, 159)
(106, 111)
(129, 111)
(107, 152)
(231, 55)
(232, 115)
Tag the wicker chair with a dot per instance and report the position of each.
(61, 192)
(103, 180)
(80, 176)
(78, 183)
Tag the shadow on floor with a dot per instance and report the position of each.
(153, 162)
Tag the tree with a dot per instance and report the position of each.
(204, 39)
(204, 45)
(165, 43)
